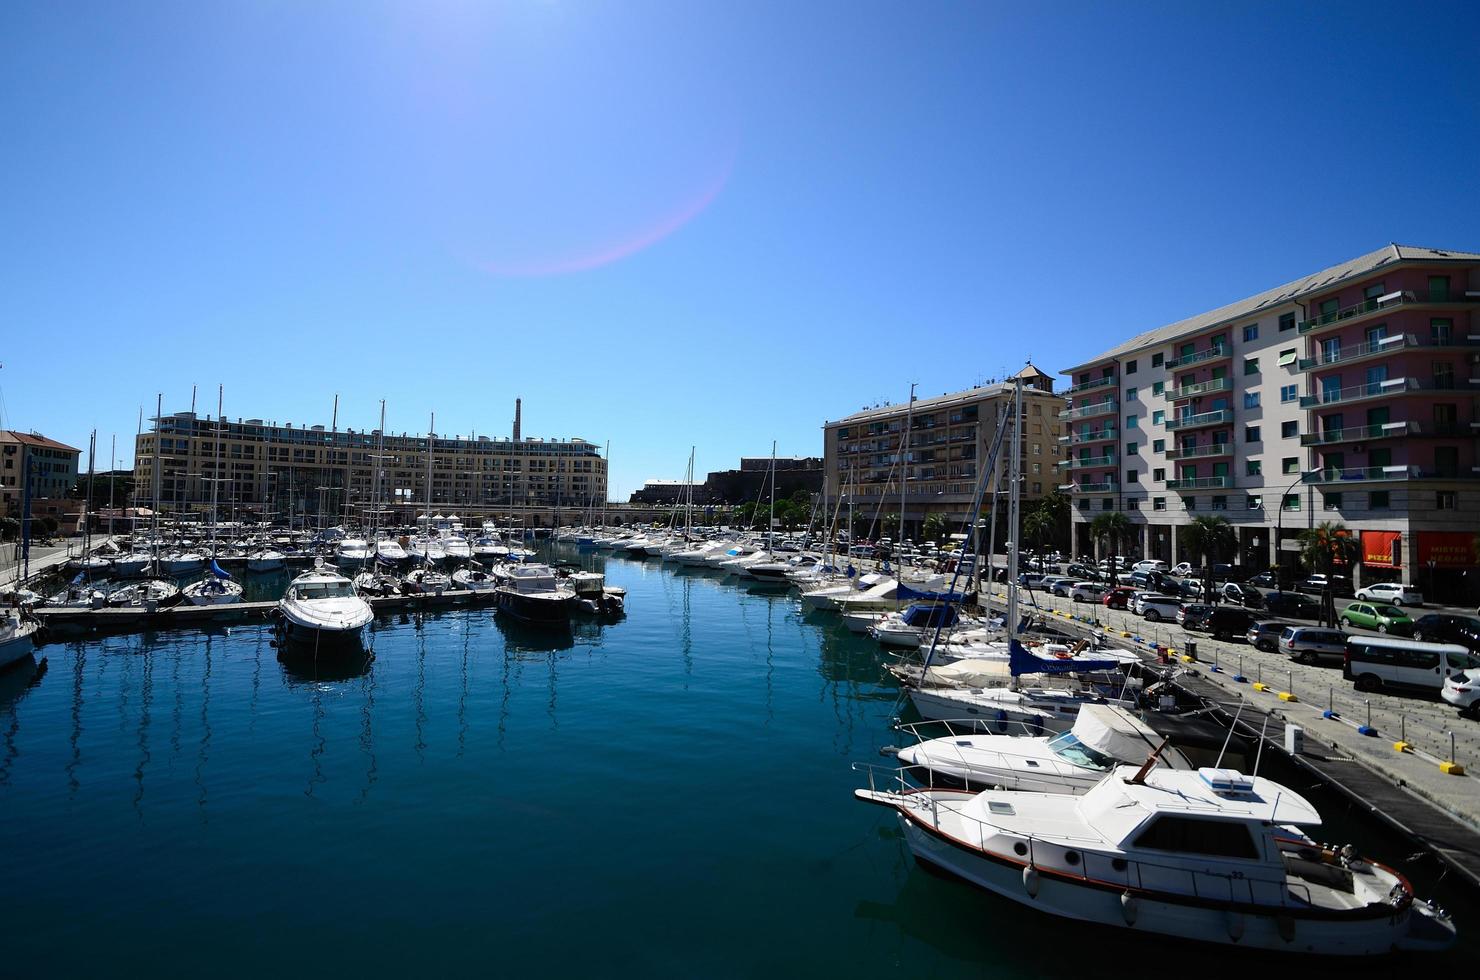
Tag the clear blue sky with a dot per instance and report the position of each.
(675, 223)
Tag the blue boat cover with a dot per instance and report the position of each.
(912, 595)
(217, 570)
(1020, 661)
(930, 616)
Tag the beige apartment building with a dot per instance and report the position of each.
(949, 438)
(270, 471)
(51, 467)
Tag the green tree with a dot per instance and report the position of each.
(1209, 537)
(1326, 546)
(10, 528)
(936, 528)
(1113, 529)
(1038, 527)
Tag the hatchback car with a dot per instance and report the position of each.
(1265, 635)
(1192, 613)
(1317, 584)
(1118, 598)
(1307, 644)
(1380, 617)
(1292, 605)
(1160, 608)
(1150, 565)
(1392, 593)
(1463, 691)
(1064, 586)
(1265, 580)
(1182, 568)
(1220, 621)
(1242, 595)
(1088, 592)
(1445, 628)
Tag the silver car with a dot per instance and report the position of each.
(1307, 644)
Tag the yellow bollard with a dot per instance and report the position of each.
(1451, 768)
(1288, 696)
(1260, 687)
(1402, 747)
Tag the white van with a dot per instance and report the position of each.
(1374, 662)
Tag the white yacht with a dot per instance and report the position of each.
(1103, 736)
(15, 636)
(388, 549)
(473, 580)
(321, 607)
(426, 548)
(265, 560)
(1209, 855)
(353, 551)
(456, 546)
(532, 592)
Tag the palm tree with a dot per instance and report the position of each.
(1113, 529)
(1209, 537)
(935, 528)
(1327, 545)
(1038, 526)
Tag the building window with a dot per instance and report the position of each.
(1156, 360)
(1438, 289)
(1159, 446)
(1254, 502)
(1291, 502)
(1251, 333)
(1130, 476)
(1158, 417)
(1332, 501)
(1251, 467)
(1189, 503)
(1084, 503)
(1037, 467)
(1130, 448)
(1287, 357)
(1441, 332)
(1443, 375)
(1378, 500)
(1159, 476)
(1289, 393)
(1130, 393)
(1287, 322)
(1251, 399)
(1445, 500)
(1158, 503)
(1220, 503)
(1251, 433)
(1130, 367)
(1251, 366)
(1157, 387)
(1133, 504)
(1037, 488)
(1107, 504)
(1289, 429)
(1130, 422)
(1037, 450)
(1290, 464)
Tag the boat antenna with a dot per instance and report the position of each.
(1140, 777)
(1232, 725)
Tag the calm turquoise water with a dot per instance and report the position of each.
(664, 796)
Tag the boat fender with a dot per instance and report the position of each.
(1286, 926)
(1235, 926)
(1130, 907)
(889, 750)
(1030, 881)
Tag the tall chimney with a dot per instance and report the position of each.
(518, 407)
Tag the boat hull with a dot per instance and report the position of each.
(536, 608)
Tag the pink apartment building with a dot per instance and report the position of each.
(1350, 395)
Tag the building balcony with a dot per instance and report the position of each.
(1366, 392)
(1201, 483)
(1107, 434)
(1092, 462)
(1095, 385)
(1087, 488)
(1382, 304)
(1198, 390)
(1106, 407)
(1212, 451)
(1360, 433)
(1223, 416)
(1218, 352)
(1362, 474)
(1384, 347)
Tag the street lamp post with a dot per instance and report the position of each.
(1280, 528)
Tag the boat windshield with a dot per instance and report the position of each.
(324, 590)
(1069, 748)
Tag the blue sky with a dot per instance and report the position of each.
(676, 223)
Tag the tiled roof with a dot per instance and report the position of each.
(34, 439)
(942, 401)
(1359, 266)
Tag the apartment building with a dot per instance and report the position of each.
(948, 438)
(52, 469)
(1347, 395)
(271, 469)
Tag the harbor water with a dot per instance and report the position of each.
(667, 795)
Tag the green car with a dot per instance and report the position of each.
(1375, 616)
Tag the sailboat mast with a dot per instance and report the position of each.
(427, 533)
(92, 446)
(605, 493)
(904, 468)
(1014, 502)
(216, 472)
(154, 518)
(771, 528)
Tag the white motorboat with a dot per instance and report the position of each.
(322, 607)
(151, 592)
(353, 551)
(15, 636)
(878, 599)
(473, 580)
(533, 593)
(917, 624)
(425, 548)
(265, 560)
(490, 549)
(78, 595)
(133, 565)
(823, 596)
(1103, 736)
(733, 552)
(1210, 855)
(456, 547)
(593, 595)
(377, 584)
(182, 562)
(698, 554)
(388, 549)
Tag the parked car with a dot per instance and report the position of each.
(1030, 580)
(1221, 621)
(1182, 568)
(1376, 662)
(1049, 581)
(1150, 565)
(1088, 592)
(1159, 608)
(1118, 598)
(1462, 690)
(1317, 584)
(1065, 586)
(1265, 634)
(1265, 580)
(1393, 593)
(1307, 644)
(1192, 611)
(1186, 587)
(1446, 628)
(1137, 595)
(1291, 605)
(1243, 595)
(1383, 618)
